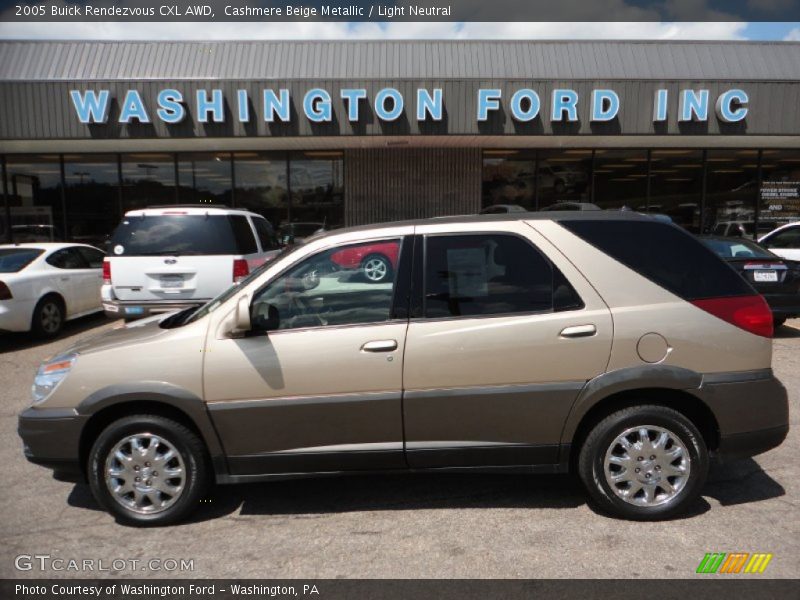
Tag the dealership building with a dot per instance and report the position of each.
(351, 132)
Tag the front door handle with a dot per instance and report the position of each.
(577, 331)
(380, 346)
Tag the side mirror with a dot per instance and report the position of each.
(241, 318)
(287, 239)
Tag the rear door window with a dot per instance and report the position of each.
(491, 274)
(245, 242)
(788, 238)
(266, 235)
(174, 235)
(67, 258)
(93, 257)
(664, 254)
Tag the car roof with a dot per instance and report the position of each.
(45, 245)
(154, 211)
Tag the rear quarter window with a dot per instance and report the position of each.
(664, 254)
(245, 241)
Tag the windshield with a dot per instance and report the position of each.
(158, 235)
(193, 314)
(13, 260)
(737, 248)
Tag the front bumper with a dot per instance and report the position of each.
(751, 409)
(51, 438)
(117, 309)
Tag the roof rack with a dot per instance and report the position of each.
(186, 206)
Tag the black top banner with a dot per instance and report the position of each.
(388, 11)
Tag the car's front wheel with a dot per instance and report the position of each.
(148, 470)
(644, 463)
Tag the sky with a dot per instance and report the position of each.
(402, 30)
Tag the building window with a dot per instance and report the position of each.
(564, 176)
(731, 187)
(92, 197)
(676, 185)
(205, 178)
(261, 185)
(147, 180)
(316, 182)
(509, 177)
(779, 192)
(620, 179)
(34, 198)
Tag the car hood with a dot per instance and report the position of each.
(144, 330)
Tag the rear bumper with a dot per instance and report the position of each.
(116, 309)
(784, 305)
(51, 438)
(751, 409)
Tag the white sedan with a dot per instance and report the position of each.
(43, 285)
(783, 241)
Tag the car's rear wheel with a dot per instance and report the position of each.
(376, 268)
(644, 463)
(148, 470)
(48, 317)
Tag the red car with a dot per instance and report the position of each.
(378, 261)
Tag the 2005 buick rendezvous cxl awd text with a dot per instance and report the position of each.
(608, 343)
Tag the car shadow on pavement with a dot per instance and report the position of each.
(741, 482)
(786, 331)
(14, 342)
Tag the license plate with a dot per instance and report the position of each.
(765, 276)
(172, 282)
(134, 310)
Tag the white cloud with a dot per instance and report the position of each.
(793, 35)
(397, 30)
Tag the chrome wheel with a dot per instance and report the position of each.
(376, 268)
(647, 465)
(50, 317)
(145, 473)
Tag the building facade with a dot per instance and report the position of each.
(344, 133)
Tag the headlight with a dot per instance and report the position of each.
(50, 374)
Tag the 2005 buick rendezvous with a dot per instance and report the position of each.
(608, 343)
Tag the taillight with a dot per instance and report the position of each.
(106, 271)
(240, 269)
(5, 293)
(750, 313)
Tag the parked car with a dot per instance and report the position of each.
(376, 262)
(163, 259)
(775, 278)
(42, 285)
(784, 241)
(742, 228)
(606, 342)
(501, 209)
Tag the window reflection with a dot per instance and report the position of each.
(34, 199)
(564, 176)
(317, 185)
(676, 185)
(620, 179)
(147, 180)
(509, 177)
(205, 178)
(731, 192)
(92, 193)
(261, 184)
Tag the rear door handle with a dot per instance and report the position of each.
(577, 331)
(380, 346)
(65, 278)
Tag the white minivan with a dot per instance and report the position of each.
(166, 258)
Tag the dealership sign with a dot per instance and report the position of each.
(93, 106)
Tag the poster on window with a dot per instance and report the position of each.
(780, 200)
(467, 272)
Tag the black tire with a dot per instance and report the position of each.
(387, 266)
(778, 321)
(48, 317)
(593, 454)
(188, 445)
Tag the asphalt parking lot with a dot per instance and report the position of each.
(397, 526)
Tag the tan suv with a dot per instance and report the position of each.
(611, 344)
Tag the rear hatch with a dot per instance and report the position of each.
(173, 257)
